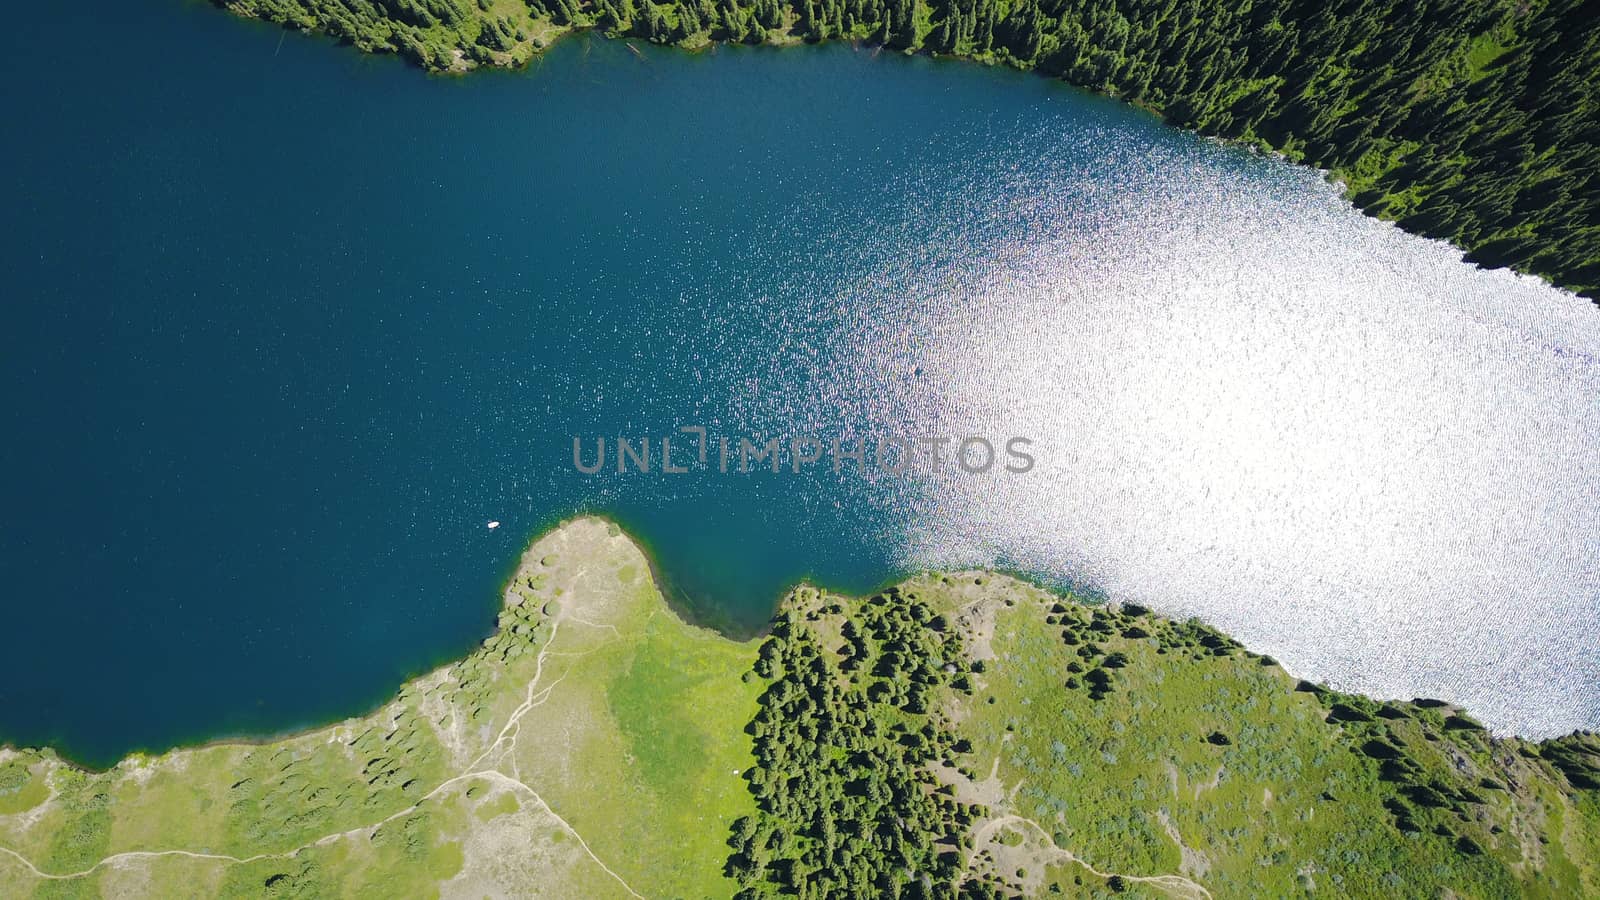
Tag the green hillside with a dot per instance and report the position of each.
(590, 748)
(962, 735)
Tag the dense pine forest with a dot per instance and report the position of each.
(839, 744)
(1471, 120)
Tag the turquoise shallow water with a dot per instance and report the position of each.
(286, 326)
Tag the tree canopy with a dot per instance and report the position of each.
(1476, 121)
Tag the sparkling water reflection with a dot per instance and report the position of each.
(1360, 455)
(287, 326)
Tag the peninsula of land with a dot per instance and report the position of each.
(959, 735)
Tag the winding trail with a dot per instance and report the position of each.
(1176, 885)
(504, 742)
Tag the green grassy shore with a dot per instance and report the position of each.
(958, 735)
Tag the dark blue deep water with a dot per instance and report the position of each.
(282, 327)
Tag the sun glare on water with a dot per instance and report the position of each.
(1362, 457)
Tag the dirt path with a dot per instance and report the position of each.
(1176, 885)
(504, 742)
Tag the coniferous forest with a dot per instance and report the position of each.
(1471, 120)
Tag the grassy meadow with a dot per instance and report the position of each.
(960, 735)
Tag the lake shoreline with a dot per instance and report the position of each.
(1350, 187)
(685, 615)
(423, 323)
(596, 703)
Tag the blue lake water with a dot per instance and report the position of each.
(284, 326)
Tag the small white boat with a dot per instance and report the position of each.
(493, 525)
